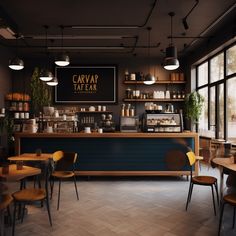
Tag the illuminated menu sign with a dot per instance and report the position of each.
(86, 84)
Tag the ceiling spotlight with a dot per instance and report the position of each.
(16, 64)
(53, 82)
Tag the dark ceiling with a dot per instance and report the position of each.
(112, 28)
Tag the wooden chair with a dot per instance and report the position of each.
(200, 180)
(30, 195)
(64, 169)
(5, 201)
(231, 200)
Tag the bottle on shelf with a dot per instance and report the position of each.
(123, 110)
(179, 95)
(174, 95)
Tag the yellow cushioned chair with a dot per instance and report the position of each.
(30, 195)
(200, 180)
(64, 169)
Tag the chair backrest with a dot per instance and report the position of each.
(191, 158)
(67, 162)
(56, 156)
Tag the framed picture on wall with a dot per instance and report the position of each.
(86, 84)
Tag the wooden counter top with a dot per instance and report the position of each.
(107, 135)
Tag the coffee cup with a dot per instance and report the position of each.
(100, 130)
(87, 130)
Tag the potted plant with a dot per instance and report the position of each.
(40, 92)
(193, 107)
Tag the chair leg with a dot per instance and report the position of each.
(221, 217)
(234, 217)
(217, 193)
(59, 193)
(189, 192)
(213, 199)
(23, 212)
(76, 190)
(9, 215)
(14, 219)
(48, 209)
(52, 186)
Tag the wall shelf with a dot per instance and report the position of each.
(157, 82)
(153, 100)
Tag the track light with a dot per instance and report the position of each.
(184, 20)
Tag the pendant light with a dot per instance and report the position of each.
(16, 63)
(171, 61)
(63, 59)
(149, 78)
(53, 82)
(46, 74)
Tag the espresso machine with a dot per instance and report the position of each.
(106, 123)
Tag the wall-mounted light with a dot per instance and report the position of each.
(171, 61)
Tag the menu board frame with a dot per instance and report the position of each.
(86, 84)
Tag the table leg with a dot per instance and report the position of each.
(2, 222)
(221, 183)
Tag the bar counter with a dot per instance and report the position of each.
(116, 153)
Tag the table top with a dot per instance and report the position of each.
(31, 157)
(16, 175)
(225, 162)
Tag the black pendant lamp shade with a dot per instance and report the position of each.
(53, 82)
(16, 64)
(63, 59)
(149, 78)
(171, 61)
(46, 74)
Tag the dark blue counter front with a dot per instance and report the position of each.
(114, 154)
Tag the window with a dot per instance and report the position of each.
(218, 119)
(203, 121)
(217, 68)
(231, 60)
(203, 74)
(231, 108)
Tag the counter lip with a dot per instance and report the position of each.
(107, 135)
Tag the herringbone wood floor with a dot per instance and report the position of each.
(128, 207)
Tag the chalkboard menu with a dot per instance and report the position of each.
(86, 84)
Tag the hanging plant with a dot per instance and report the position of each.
(40, 92)
(193, 106)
